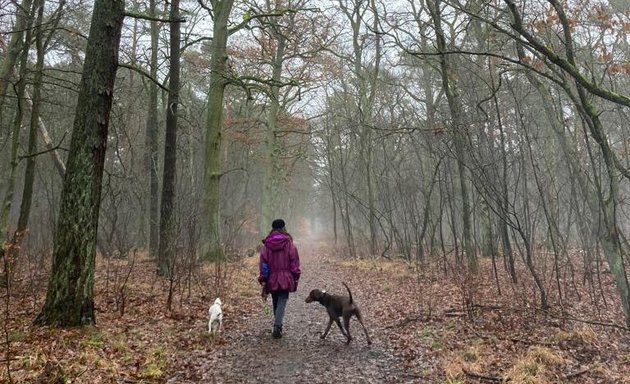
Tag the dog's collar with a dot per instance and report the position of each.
(323, 297)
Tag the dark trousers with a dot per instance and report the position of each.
(279, 300)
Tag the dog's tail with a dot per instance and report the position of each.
(349, 293)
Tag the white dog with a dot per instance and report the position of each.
(216, 317)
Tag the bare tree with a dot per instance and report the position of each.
(452, 95)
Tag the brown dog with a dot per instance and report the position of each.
(338, 306)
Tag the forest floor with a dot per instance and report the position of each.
(427, 326)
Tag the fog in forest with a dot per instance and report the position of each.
(451, 136)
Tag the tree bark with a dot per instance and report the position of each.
(151, 139)
(166, 250)
(270, 181)
(211, 244)
(69, 298)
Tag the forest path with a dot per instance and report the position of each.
(253, 356)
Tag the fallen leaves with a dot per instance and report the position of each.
(436, 330)
(496, 337)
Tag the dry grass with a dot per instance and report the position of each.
(468, 360)
(584, 335)
(536, 366)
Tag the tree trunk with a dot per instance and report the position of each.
(151, 139)
(454, 103)
(344, 207)
(166, 250)
(366, 77)
(508, 255)
(54, 152)
(526, 233)
(15, 46)
(331, 165)
(331, 181)
(211, 244)
(69, 298)
(270, 181)
(7, 202)
(29, 173)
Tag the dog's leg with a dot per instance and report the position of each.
(330, 321)
(346, 323)
(340, 327)
(215, 327)
(358, 314)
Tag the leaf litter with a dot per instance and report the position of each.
(427, 327)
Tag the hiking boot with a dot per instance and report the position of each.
(277, 332)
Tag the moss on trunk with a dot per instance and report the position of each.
(69, 299)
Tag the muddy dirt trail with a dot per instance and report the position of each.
(253, 356)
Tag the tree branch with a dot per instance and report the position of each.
(283, 12)
(151, 18)
(143, 73)
(572, 70)
(58, 146)
(246, 21)
(193, 42)
(232, 170)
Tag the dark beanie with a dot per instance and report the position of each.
(278, 224)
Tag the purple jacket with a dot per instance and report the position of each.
(279, 263)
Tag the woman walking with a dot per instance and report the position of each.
(279, 267)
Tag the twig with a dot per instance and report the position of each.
(80, 373)
(577, 373)
(487, 307)
(512, 339)
(550, 314)
(406, 321)
(586, 321)
(51, 149)
(124, 285)
(143, 73)
(453, 313)
(232, 170)
(493, 379)
(422, 317)
(7, 255)
(9, 359)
